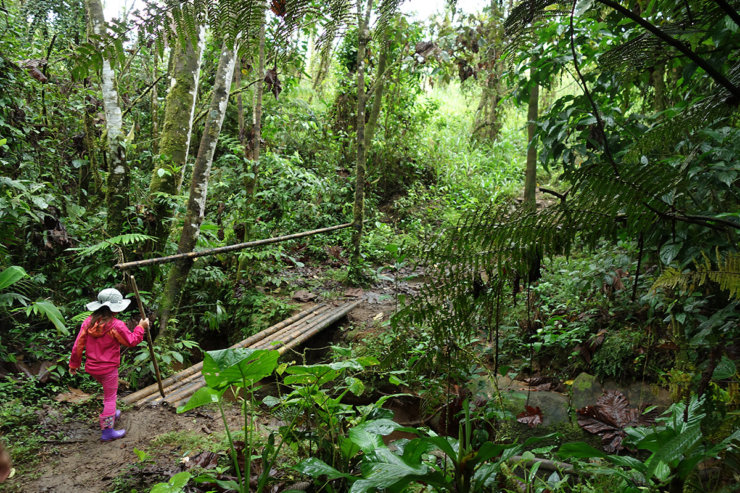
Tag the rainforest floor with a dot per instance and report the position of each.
(159, 442)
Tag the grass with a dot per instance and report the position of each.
(189, 441)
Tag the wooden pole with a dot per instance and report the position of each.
(225, 249)
(148, 334)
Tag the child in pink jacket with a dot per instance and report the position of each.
(101, 336)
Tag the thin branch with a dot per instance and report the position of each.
(587, 93)
(140, 96)
(225, 249)
(711, 71)
(561, 196)
(734, 15)
(232, 93)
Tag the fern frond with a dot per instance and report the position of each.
(695, 115)
(523, 17)
(725, 273)
(125, 239)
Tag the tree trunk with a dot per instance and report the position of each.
(258, 91)
(324, 62)
(196, 204)
(372, 120)
(530, 178)
(488, 124)
(118, 174)
(155, 106)
(91, 168)
(240, 106)
(363, 36)
(250, 184)
(658, 81)
(177, 129)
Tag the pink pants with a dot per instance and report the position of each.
(109, 381)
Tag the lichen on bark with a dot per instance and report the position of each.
(176, 134)
(199, 185)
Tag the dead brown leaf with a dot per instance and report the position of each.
(272, 83)
(353, 292)
(303, 296)
(531, 416)
(74, 396)
(609, 417)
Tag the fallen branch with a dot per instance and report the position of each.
(225, 249)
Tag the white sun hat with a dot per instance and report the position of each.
(110, 297)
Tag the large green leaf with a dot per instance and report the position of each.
(579, 450)
(174, 485)
(443, 443)
(235, 366)
(367, 441)
(51, 312)
(310, 374)
(11, 275)
(201, 397)
(725, 369)
(674, 449)
(316, 468)
(487, 451)
(389, 471)
(669, 251)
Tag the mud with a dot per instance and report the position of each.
(80, 462)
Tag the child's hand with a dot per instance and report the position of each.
(144, 323)
(73, 371)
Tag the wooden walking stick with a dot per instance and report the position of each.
(148, 334)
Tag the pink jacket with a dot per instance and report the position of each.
(103, 345)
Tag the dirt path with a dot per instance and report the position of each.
(76, 460)
(80, 462)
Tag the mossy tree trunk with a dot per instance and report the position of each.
(488, 124)
(177, 129)
(658, 80)
(155, 104)
(530, 176)
(91, 168)
(363, 18)
(117, 189)
(380, 79)
(258, 93)
(196, 204)
(254, 150)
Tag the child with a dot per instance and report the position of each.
(101, 335)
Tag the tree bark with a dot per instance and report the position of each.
(658, 80)
(250, 184)
(196, 204)
(177, 129)
(488, 123)
(372, 120)
(91, 168)
(155, 105)
(258, 92)
(323, 70)
(530, 177)
(117, 191)
(363, 37)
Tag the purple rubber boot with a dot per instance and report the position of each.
(108, 432)
(117, 416)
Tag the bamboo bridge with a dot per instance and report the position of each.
(282, 336)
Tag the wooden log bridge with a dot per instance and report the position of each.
(283, 336)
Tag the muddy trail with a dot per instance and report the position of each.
(159, 442)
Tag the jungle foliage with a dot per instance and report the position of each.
(301, 115)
